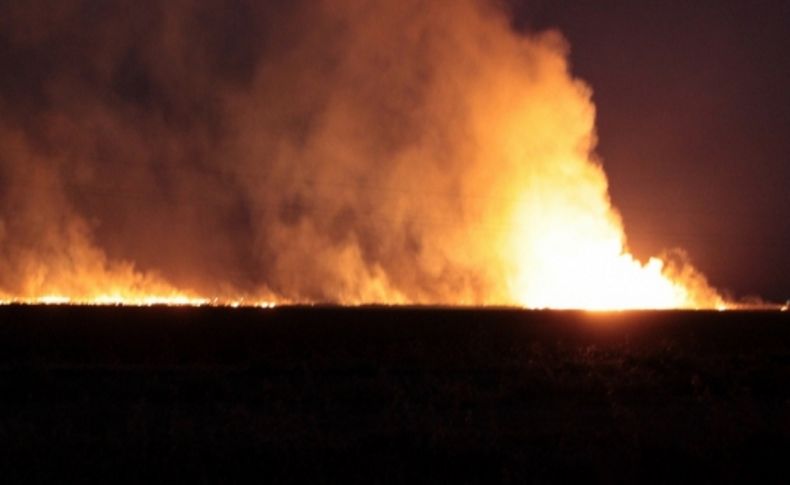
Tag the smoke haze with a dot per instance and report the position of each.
(346, 151)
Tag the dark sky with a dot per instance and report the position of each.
(694, 126)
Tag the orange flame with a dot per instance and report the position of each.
(443, 98)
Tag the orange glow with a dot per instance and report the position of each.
(138, 300)
(580, 262)
(403, 152)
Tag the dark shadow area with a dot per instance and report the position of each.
(379, 395)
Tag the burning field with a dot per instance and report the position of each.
(344, 241)
(346, 152)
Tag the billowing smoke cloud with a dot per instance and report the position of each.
(349, 151)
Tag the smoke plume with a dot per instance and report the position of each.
(341, 150)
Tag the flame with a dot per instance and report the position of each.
(143, 300)
(562, 241)
(404, 101)
(580, 261)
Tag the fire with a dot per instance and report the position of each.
(397, 152)
(562, 242)
(602, 276)
(580, 261)
(138, 300)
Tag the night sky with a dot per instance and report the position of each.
(694, 126)
(693, 117)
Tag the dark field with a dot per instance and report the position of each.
(392, 395)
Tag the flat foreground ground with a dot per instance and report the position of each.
(392, 395)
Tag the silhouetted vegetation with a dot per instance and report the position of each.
(391, 395)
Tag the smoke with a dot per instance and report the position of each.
(347, 151)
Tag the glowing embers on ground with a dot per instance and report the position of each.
(139, 301)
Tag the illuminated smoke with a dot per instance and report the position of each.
(340, 151)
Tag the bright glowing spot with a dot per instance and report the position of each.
(53, 300)
(571, 254)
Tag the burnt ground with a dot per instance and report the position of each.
(383, 395)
